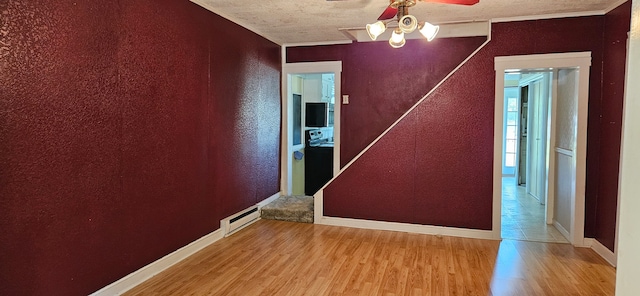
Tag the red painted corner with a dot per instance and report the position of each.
(123, 138)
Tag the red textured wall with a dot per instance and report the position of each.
(382, 82)
(435, 168)
(420, 172)
(617, 24)
(127, 130)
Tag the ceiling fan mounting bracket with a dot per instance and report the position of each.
(402, 3)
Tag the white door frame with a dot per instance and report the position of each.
(545, 62)
(287, 149)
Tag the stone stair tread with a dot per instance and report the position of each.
(289, 208)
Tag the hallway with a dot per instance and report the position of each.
(523, 216)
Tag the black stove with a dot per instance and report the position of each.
(315, 138)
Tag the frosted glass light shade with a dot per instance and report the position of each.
(397, 39)
(374, 30)
(429, 31)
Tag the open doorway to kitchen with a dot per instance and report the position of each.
(311, 126)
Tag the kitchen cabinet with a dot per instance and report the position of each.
(318, 169)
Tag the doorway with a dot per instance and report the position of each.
(527, 97)
(558, 148)
(309, 112)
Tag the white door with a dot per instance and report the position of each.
(537, 137)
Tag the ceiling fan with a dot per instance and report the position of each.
(398, 11)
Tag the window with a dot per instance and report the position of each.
(297, 119)
(511, 132)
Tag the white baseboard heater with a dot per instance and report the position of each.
(238, 221)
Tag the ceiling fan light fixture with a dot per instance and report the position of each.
(397, 39)
(374, 30)
(429, 31)
(408, 23)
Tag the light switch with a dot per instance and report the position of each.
(345, 99)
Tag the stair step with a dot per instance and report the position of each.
(295, 208)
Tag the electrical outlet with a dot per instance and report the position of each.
(345, 99)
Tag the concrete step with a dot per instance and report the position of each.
(289, 208)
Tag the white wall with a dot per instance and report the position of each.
(296, 84)
(563, 192)
(567, 109)
(627, 282)
(565, 147)
(297, 175)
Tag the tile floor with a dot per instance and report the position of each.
(523, 216)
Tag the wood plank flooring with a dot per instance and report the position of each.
(286, 258)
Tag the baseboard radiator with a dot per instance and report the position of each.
(238, 221)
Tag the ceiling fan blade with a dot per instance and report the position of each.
(460, 2)
(388, 13)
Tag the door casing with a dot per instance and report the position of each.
(287, 147)
(545, 62)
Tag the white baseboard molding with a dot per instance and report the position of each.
(268, 200)
(318, 205)
(139, 276)
(562, 230)
(406, 227)
(601, 250)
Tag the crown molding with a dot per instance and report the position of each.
(209, 7)
(615, 5)
(336, 42)
(547, 16)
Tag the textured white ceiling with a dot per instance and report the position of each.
(303, 21)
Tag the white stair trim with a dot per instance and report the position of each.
(407, 227)
(319, 217)
(394, 124)
(268, 200)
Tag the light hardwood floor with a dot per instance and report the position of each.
(287, 258)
